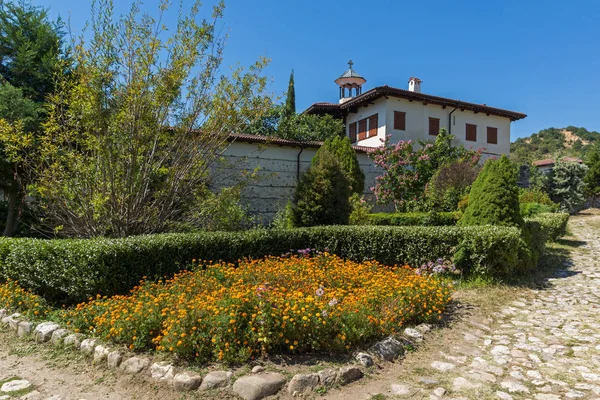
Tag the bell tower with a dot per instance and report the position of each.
(349, 81)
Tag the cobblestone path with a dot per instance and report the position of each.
(546, 347)
(542, 344)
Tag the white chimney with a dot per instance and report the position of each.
(414, 85)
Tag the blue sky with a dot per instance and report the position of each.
(537, 57)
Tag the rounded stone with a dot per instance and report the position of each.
(186, 381)
(256, 387)
(135, 365)
(364, 359)
(88, 346)
(58, 336)
(43, 332)
(74, 339)
(114, 359)
(349, 374)
(216, 379)
(15, 385)
(303, 383)
(162, 371)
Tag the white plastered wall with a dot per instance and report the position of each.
(278, 168)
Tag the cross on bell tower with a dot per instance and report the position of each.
(350, 80)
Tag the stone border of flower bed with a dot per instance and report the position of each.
(254, 386)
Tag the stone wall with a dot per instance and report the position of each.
(278, 167)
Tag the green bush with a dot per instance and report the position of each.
(532, 209)
(414, 219)
(322, 194)
(494, 197)
(342, 150)
(553, 224)
(535, 196)
(70, 270)
(361, 210)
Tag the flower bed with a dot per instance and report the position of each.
(14, 297)
(274, 305)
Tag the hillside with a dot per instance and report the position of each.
(548, 143)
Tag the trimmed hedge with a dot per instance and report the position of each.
(74, 269)
(414, 219)
(71, 270)
(553, 224)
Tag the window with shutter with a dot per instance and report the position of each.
(352, 132)
(400, 120)
(434, 126)
(362, 129)
(471, 133)
(373, 125)
(492, 135)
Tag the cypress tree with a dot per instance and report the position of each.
(342, 149)
(322, 195)
(494, 197)
(290, 101)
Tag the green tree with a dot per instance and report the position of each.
(18, 119)
(450, 184)
(567, 186)
(31, 49)
(592, 177)
(290, 100)
(132, 134)
(31, 54)
(322, 194)
(494, 197)
(306, 128)
(342, 149)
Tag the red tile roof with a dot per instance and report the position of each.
(382, 91)
(243, 137)
(550, 161)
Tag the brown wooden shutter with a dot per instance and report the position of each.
(434, 126)
(373, 125)
(492, 135)
(471, 133)
(400, 120)
(362, 129)
(352, 132)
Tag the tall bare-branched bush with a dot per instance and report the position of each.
(133, 132)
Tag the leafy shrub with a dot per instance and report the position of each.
(494, 197)
(342, 150)
(535, 196)
(221, 211)
(71, 270)
(414, 219)
(322, 194)
(361, 210)
(531, 209)
(553, 224)
(284, 218)
(274, 305)
(451, 183)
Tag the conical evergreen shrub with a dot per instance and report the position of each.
(342, 149)
(322, 194)
(494, 197)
